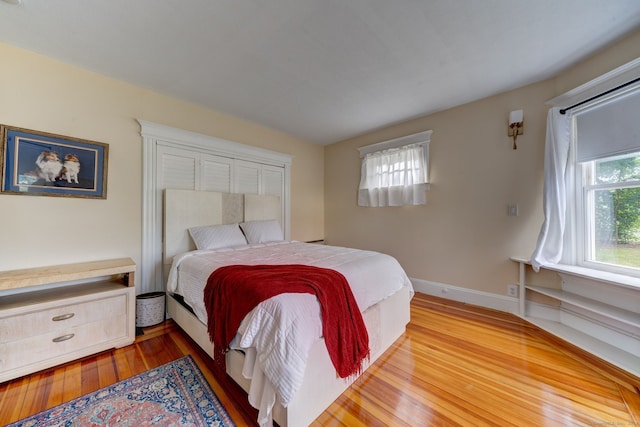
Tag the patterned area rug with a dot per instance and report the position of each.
(175, 394)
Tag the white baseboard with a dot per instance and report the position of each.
(465, 295)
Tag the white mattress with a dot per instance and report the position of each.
(279, 340)
(372, 276)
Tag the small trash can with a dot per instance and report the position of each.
(149, 309)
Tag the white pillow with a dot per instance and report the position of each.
(217, 236)
(264, 231)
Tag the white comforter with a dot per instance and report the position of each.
(280, 339)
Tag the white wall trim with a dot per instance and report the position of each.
(623, 74)
(416, 138)
(212, 145)
(150, 261)
(465, 295)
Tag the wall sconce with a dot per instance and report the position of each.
(516, 125)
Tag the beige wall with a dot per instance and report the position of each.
(463, 236)
(47, 95)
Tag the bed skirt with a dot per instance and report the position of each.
(385, 321)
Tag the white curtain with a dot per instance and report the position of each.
(394, 177)
(553, 240)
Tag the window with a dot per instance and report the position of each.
(592, 184)
(395, 173)
(607, 146)
(610, 206)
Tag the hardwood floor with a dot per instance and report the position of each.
(457, 365)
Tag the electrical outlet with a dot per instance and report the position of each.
(512, 290)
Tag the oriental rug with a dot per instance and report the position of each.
(175, 394)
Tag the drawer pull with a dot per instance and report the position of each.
(63, 338)
(62, 317)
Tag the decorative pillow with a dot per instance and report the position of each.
(262, 231)
(217, 236)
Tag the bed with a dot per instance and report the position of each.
(385, 310)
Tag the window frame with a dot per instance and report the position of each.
(584, 215)
(421, 139)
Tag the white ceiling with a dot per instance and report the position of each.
(322, 70)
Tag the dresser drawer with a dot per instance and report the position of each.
(57, 320)
(33, 349)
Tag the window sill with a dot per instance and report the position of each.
(589, 273)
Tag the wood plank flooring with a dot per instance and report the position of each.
(457, 365)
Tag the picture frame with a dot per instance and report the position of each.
(45, 164)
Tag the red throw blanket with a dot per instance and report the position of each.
(233, 291)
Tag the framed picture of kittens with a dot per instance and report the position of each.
(45, 164)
